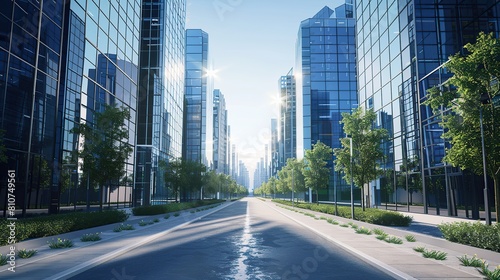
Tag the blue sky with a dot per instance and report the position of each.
(251, 45)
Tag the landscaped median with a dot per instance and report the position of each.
(370, 215)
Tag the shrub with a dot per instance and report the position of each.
(378, 231)
(419, 249)
(60, 243)
(437, 255)
(474, 234)
(363, 230)
(167, 216)
(90, 237)
(410, 238)
(156, 220)
(474, 261)
(43, 226)
(370, 215)
(394, 240)
(123, 227)
(3, 259)
(490, 274)
(26, 254)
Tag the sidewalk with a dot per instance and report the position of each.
(401, 261)
(85, 255)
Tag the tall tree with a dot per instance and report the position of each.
(104, 147)
(316, 172)
(367, 150)
(473, 87)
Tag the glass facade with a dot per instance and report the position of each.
(198, 121)
(288, 117)
(101, 57)
(401, 48)
(220, 159)
(30, 47)
(161, 96)
(326, 80)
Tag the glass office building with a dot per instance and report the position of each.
(401, 48)
(61, 62)
(101, 56)
(326, 80)
(161, 96)
(288, 117)
(31, 35)
(220, 159)
(198, 120)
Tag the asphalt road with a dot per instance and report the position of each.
(246, 240)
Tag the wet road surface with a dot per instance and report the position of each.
(246, 240)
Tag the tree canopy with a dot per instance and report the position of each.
(316, 172)
(366, 145)
(473, 87)
(104, 147)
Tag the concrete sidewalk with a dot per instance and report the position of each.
(401, 261)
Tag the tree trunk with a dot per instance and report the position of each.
(362, 198)
(496, 184)
(100, 197)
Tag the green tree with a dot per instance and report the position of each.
(316, 172)
(172, 176)
(367, 151)
(104, 147)
(460, 100)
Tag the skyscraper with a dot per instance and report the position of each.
(30, 56)
(402, 46)
(161, 96)
(288, 124)
(274, 147)
(198, 115)
(220, 133)
(326, 79)
(85, 57)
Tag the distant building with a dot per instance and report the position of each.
(275, 148)
(220, 154)
(198, 114)
(288, 119)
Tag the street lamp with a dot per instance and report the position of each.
(352, 180)
(485, 99)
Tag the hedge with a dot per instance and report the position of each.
(171, 207)
(370, 215)
(474, 234)
(49, 225)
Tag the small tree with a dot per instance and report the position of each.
(316, 173)
(104, 147)
(473, 87)
(367, 151)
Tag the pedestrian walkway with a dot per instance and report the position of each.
(401, 261)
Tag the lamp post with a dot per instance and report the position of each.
(485, 99)
(352, 180)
